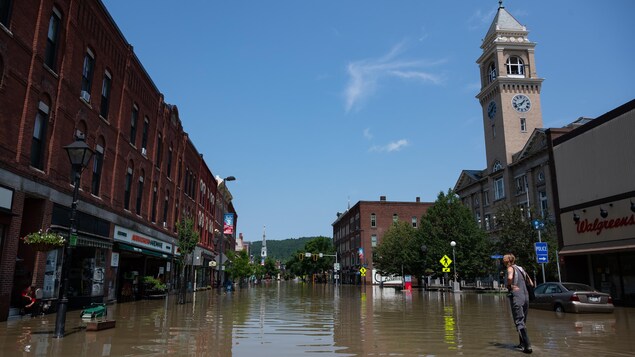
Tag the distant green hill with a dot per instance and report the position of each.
(280, 249)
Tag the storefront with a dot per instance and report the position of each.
(595, 177)
(138, 256)
(202, 268)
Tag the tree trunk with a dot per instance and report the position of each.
(182, 287)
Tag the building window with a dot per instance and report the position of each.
(521, 184)
(485, 198)
(38, 144)
(159, 151)
(395, 218)
(127, 189)
(478, 219)
(133, 124)
(373, 240)
(544, 204)
(497, 166)
(488, 220)
(52, 39)
(105, 95)
(139, 194)
(515, 66)
(5, 12)
(491, 72)
(98, 162)
(165, 208)
(373, 220)
(499, 188)
(144, 135)
(477, 203)
(87, 75)
(414, 222)
(154, 203)
(169, 168)
(523, 125)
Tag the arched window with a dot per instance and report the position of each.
(497, 166)
(491, 72)
(127, 188)
(52, 39)
(515, 66)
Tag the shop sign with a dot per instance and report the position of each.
(114, 260)
(598, 225)
(140, 240)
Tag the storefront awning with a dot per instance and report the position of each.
(598, 248)
(152, 253)
(83, 241)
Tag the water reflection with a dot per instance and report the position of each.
(290, 319)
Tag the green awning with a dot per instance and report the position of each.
(152, 253)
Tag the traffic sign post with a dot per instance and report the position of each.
(539, 226)
(542, 252)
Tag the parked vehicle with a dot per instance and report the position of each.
(571, 297)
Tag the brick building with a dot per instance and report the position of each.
(361, 228)
(67, 72)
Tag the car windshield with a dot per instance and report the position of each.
(577, 287)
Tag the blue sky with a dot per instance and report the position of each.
(314, 104)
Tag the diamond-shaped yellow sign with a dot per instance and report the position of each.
(446, 261)
(362, 270)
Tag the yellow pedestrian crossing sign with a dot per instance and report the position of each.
(446, 261)
(362, 271)
(446, 270)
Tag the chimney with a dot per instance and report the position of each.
(418, 199)
(382, 198)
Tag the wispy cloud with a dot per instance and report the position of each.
(367, 134)
(365, 75)
(391, 147)
(479, 19)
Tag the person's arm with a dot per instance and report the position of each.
(510, 277)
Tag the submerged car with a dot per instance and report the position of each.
(571, 297)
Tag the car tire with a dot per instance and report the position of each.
(558, 308)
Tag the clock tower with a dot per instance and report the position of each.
(510, 89)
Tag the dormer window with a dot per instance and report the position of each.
(491, 72)
(497, 166)
(515, 67)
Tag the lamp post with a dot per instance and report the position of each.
(424, 250)
(79, 155)
(221, 271)
(453, 244)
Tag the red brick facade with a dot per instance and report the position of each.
(55, 95)
(354, 229)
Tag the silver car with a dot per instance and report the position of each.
(571, 297)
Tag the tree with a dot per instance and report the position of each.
(240, 267)
(188, 238)
(449, 220)
(300, 265)
(399, 251)
(517, 236)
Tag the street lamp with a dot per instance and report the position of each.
(453, 244)
(79, 155)
(221, 272)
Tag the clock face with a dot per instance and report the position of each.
(491, 110)
(521, 103)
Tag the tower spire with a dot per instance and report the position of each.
(500, 4)
(263, 250)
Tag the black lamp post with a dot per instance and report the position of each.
(221, 272)
(79, 155)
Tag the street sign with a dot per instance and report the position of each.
(538, 224)
(336, 266)
(542, 255)
(337, 276)
(446, 261)
(362, 271)
(446, 270)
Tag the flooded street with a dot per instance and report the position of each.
(292, 319)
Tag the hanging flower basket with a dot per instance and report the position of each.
(44, 241)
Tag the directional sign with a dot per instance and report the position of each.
(446, 270)
(446, 261)
(542, 255)
(538, 224)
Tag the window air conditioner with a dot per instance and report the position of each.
(165, 225)
(144, 151)
(85, 96)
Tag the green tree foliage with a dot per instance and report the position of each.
(188, 238)
(280, 249)
(399, 251)
(240, 267)
(449, 220)
(300, 265)
(517, 236)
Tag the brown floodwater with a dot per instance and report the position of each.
(295, 319)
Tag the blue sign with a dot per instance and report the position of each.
(497, 256)
(538, 224)
(542, 255)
